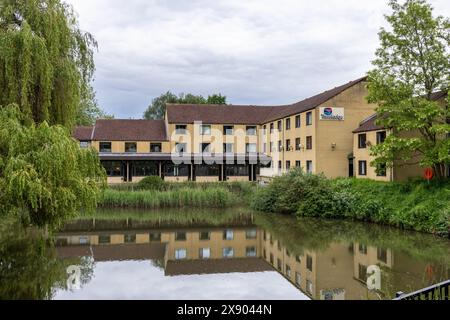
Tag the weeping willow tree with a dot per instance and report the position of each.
(44, 175)
(46, 61)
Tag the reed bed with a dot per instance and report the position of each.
(213, 197)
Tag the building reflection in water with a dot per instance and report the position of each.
(335, 273)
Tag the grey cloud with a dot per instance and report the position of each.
(254, 52)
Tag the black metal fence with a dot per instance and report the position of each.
(440, 291)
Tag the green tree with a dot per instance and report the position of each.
(46, 61)
(157, 109)
(216, 99)
(44, 174)
(412, 63)
(89, 111)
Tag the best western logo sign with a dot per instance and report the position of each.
(332, 114)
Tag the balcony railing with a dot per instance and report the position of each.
(440, 291)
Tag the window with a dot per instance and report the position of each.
(180, 129)
(205, 130)
(298, 164)
(271, 259)
(176, 170)
(129, 238)
(381, 136)
(228, 130)
(279, 265)
(204, 235)
(204, 253)
(130, 147)
(251, 130)
(105, 146)
(288, 253)
(288, 165)
(180, 254)
(279, 245)
(180, 147)
(298, 258)
(271, 128)
(309, 143)
(204, 170)
(298, 144)
(250, 148)
(280, 125)
(309, 166)
(309, 286)
(288, 124)
(381, 170)
(264, 147)
(155, 147)
(362, 248)
(309, 119)
(84, 144)
(288, 271)
(298, 279)
(180, 236)
(280, 165)
(205, 147)
(237, 170)
(228, 147)
(113, 168)
(362, 141)
(298, 123)
(155, 236)
(280, 146)
(309, 262)
(104, 239)
(362, 272)
(250, 251)
(382, 255)
(271, 146)
(250, 234)
(264, 254)
(228, 235)
(145, 168)
(362, 168)
(83, 240)
(264, 129)
(228, 252)
(288, 145)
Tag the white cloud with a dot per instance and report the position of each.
(254, 51)
(125, 280)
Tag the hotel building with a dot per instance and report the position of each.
(243, 143)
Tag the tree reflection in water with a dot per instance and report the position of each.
(29, 266)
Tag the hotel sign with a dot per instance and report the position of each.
(332, 114)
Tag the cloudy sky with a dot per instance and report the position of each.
(259, 52)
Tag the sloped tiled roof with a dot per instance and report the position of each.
(240, 114)
(83, 133)
(130, 130)
(217, 114)
(310, 103)
(369, 124)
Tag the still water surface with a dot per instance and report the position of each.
(221, 255)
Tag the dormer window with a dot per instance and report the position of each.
(105, 146)
(228, 130)
(131, 147)
(180, 129)
(205, 130)
(251, 130)
(155, 147)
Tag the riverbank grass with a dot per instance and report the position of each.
(415, 205)
(153, 199)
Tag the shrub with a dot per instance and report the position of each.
(151, 183)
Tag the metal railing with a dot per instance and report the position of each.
(440, 291)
